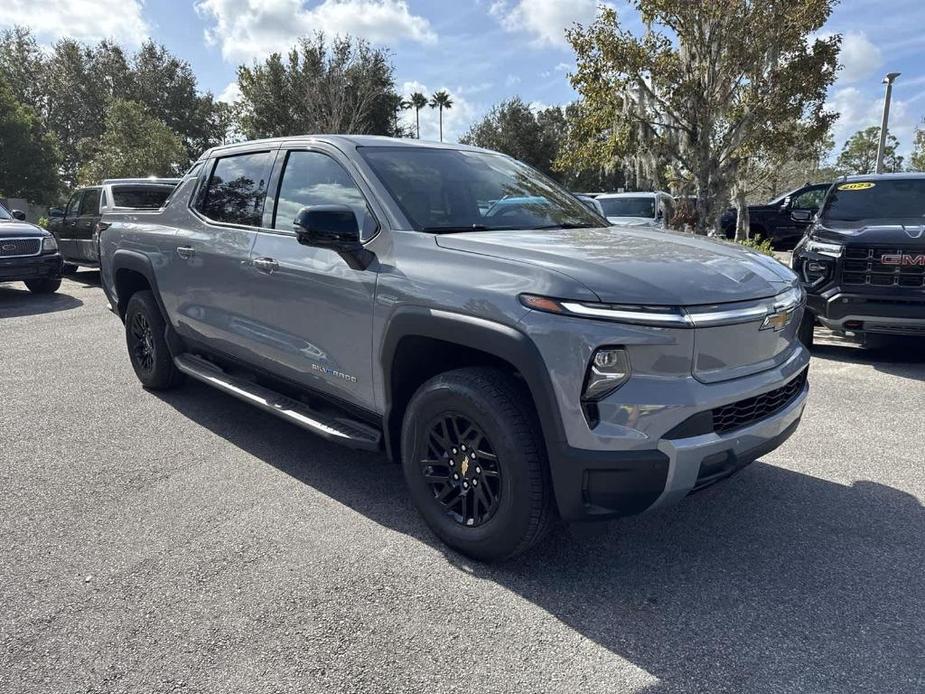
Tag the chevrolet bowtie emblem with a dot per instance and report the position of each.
(776, 321)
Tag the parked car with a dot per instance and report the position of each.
(775, 221)
(862, 261)
(637, 209)
(75, 225)
(518, 365)
(28, 254)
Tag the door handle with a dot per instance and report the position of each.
(267, 265)
(186, 252)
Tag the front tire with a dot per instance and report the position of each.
(46, 285)
(475, 463)
(147, 347)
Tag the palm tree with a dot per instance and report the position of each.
(441, 100)
(418, 101)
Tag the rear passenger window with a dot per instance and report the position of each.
(237, 188)
(312, 178)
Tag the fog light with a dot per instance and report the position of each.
(608, 370)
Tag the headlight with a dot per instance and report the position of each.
(823, 248)
(608, 370)
(49, 245)
(661, 316)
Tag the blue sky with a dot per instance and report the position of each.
(481, 51)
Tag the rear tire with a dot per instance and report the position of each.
(473, 423)
(147, 347)
(807, 330)
(45, 285)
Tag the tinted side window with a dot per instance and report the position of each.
(809, 200)
(237, 188)
(72, 205)
(90, 205)
(312, 178)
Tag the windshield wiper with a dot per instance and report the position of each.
(566, 225)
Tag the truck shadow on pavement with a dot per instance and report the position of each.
(17, 301)
(771, 581)
(897, 356)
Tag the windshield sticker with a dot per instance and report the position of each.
(863, 185)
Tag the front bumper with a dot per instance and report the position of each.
(30, 267)
(893, 314)
(597, 485)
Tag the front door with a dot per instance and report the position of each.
(86, 222)
(314, 312)
(66, 227)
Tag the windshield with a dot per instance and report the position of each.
(145, 197)
(628, 207)
(447, 190)
(4, 214)
(883, 199)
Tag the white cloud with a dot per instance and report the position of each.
(511, 80)
(247, 29)
(859, 111)
(84, 20)
(546, 20)
(230, 93)
(456, 121)
(859, 57)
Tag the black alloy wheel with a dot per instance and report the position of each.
(462, 470)
(143, 349)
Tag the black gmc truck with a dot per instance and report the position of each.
(862, 260)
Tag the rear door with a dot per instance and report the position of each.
(208, 281)
(67, 227)
(88, 216)
(313, 310)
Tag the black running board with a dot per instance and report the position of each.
(338, 429)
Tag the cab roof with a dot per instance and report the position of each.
(342, 142)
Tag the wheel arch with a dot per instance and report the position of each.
(133, 272)
(420, 343)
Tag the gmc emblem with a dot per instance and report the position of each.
(903, 259)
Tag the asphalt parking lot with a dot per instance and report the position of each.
(187, 542)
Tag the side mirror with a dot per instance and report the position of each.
(55, 213)
(19, 214)
(328, 226)
(334, 227)
(802, 215)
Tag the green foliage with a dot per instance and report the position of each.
(759, 244)
(341, 86)
(43, 222)
(133, 144)
(917, 160)
(536, 138)
(28, 155)
(709, 84)
(418, 101)
(441, 100)
(859, 154)
(70, 85)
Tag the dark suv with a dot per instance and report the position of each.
(28, 254)
(776, 220)
(76, 226)
(862, 261)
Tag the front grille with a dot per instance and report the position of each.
(744, 412)
(863, 265)
(13, 247)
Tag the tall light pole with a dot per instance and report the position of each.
(888, 81)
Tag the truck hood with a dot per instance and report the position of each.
(865, 232)
(17, 228)
(637, 266)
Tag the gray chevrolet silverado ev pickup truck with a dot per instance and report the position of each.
(520, 360)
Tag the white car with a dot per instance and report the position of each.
(637, 209)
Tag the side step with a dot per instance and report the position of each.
(340, 430)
